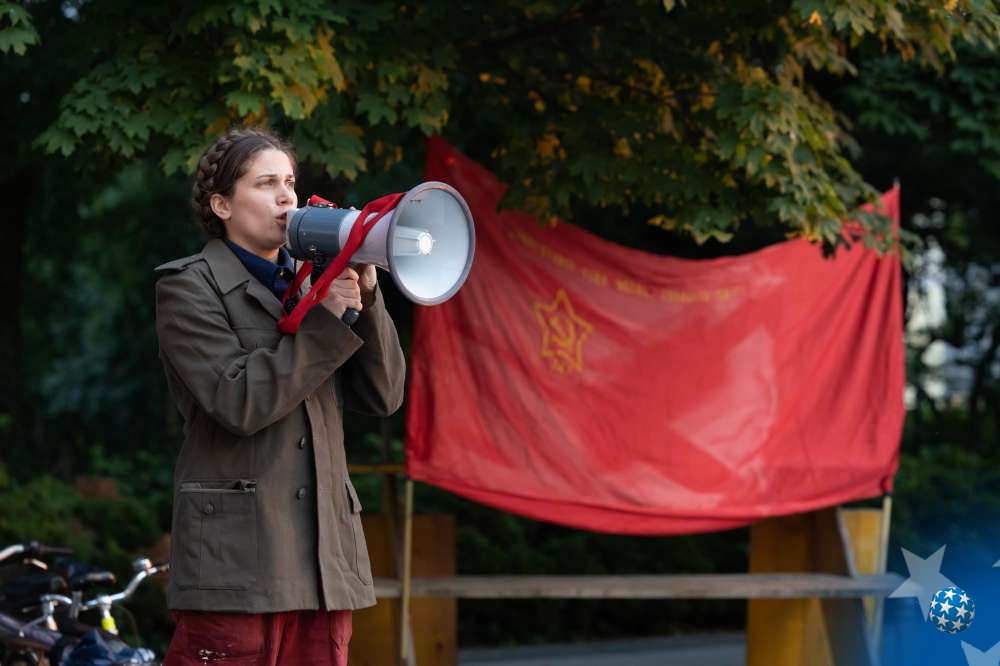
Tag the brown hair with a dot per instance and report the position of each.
(222, 164)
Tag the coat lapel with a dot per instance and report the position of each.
(265, 297)
(230, 273)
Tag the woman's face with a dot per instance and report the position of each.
(257, 213)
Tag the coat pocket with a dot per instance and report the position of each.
(361, 562)
(215, 535)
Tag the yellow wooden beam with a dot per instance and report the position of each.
(820, 632)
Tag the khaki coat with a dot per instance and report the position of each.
(265, 518)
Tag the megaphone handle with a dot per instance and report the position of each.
(319, 265)
(350, 316)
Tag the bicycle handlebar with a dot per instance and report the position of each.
(106, 600)
(33, 549)
(11, 551)
(144, 569)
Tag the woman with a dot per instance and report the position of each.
(268, 557)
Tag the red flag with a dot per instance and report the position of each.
(580, 382)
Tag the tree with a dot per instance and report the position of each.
(630, 119)
(704, 116)
(941, 136)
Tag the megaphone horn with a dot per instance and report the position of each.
(426, 242)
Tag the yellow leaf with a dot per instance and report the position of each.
(815, 18)
(546, 147)
(428, 80)
(654, 75)
(327, 61)
(306, 95)
(257, 118)
(583, 83)
(218, 126)
(623, 149)
(667, 122)
(485, 77)
(663, 222)
(707, 96)
(537, 99)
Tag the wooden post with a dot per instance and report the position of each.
(433, 620)
(406, 654)
(818, 632)
(883, 563)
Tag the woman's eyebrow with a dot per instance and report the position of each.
(273, 175)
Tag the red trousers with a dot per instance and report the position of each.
(313, 638)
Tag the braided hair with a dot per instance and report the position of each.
(222, 164)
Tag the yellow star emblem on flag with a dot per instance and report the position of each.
(563, 333)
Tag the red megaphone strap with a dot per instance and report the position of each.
(290, 321)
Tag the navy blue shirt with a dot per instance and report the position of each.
(274, 276)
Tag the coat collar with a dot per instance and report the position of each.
(229, 273)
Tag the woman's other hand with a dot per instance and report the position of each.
(345, 292)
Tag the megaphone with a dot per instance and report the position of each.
(426, 242)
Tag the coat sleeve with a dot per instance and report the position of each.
(374, 378)
(244, 391)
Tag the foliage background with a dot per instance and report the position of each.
(691, 129)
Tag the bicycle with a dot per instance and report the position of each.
(48, 640)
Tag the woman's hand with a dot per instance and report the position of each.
(368, 278)
(344, 293)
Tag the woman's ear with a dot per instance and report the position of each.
(220, 206)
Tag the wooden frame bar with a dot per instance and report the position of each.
(667, 586)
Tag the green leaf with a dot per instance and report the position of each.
(56, 140)
(244, 101)
(17, 39)
(375, 108)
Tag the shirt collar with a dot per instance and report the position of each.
(274, 276)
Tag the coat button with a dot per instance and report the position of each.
(301, 493)
(209, 508)
(302, 443)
